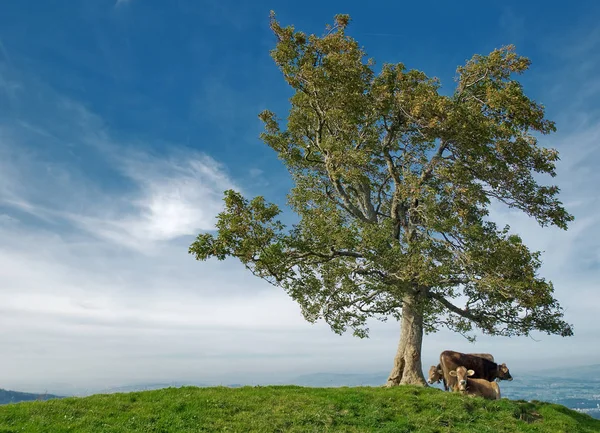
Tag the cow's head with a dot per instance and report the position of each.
(503, 373)
(461, 374)
(435, 374)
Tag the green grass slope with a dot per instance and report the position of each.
(291, 409)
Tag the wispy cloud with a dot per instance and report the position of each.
(107, 187)
(174, 196)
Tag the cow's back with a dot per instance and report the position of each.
(487, 356)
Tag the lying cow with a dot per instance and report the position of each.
(436, 374)
(479, 387)
(482, 368)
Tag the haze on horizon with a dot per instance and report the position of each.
(121, 123)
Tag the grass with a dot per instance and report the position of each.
(291, 409)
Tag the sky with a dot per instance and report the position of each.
(123, 121)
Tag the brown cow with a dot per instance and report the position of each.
(479, 387)
(483, 368)
(436, 375)
(487, 356)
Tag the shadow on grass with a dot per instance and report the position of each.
(528, 411)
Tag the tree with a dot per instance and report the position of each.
(393, 182)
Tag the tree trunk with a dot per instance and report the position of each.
(407, 368)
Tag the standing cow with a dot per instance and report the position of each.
(436, 375)
(482, 368)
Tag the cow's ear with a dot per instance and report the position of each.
(440, 371)
(470, 372)
(452, 373)
(504, 364)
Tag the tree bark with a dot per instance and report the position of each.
(407, 368)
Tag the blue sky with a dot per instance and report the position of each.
(121, 123)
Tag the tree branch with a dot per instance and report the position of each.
(368, 207)
(350, 207)
(396, 211)
(333, 198)
(334, 253)
(427, 173)
(380, 192)
(466, 86)
(463, 313)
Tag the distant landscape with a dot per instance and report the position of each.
(576, 388)
(7, 397)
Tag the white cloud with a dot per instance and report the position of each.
(175, 197)
(180, 196)
(164, 196)
(91, 314)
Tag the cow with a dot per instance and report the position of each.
(487, 356)
(479, 387)
(482, 368)
(436, 375)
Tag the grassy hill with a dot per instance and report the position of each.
(291, 409)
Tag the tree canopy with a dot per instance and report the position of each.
(393, 181)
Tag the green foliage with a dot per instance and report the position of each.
(393, 182)
(291, 409)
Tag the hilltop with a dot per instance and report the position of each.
(291, 409)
